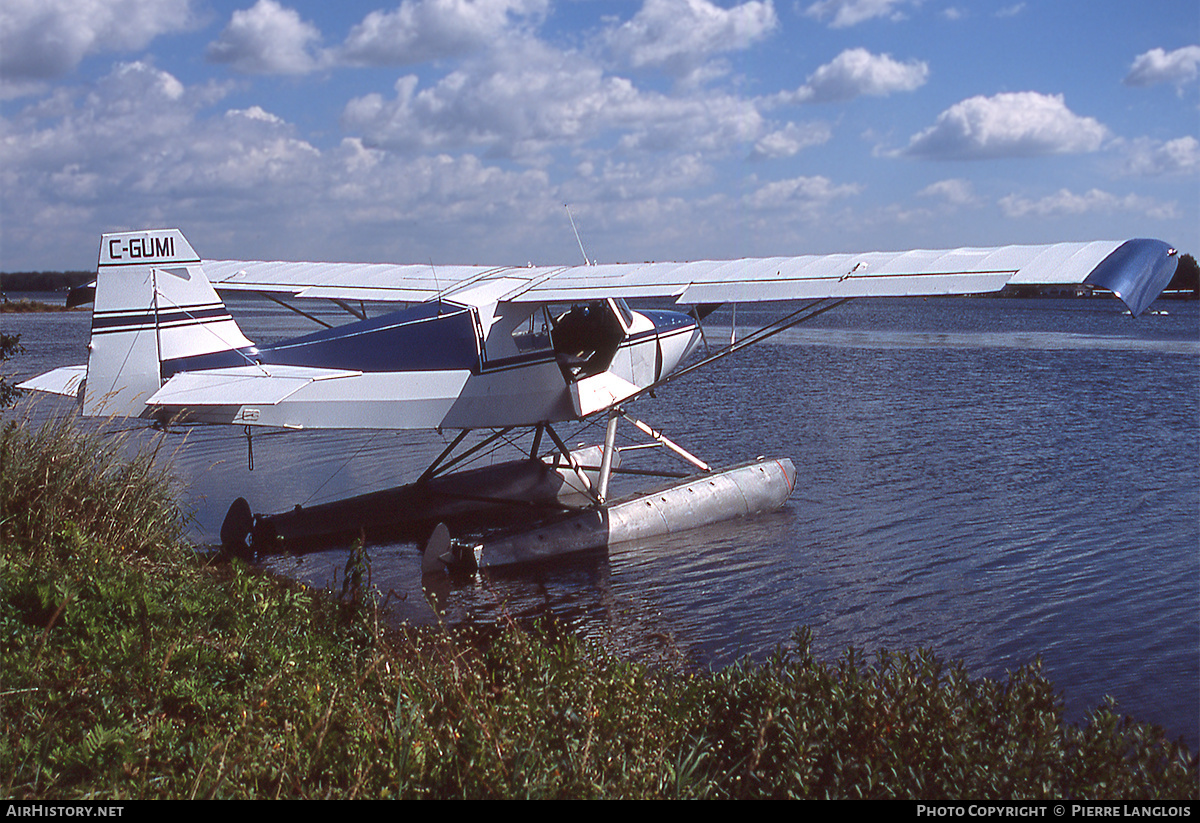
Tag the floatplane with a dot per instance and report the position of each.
(492, 350)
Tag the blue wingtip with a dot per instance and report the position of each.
(1137, 271)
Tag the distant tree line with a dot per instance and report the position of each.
(1187, 276)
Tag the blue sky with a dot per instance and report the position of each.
(454, 131)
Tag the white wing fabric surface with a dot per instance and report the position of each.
(1136, 270)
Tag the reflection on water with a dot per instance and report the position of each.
(992, 479)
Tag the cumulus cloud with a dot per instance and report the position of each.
(1019, 124)
(512, 104)
(134, 104)
(679, 36)
(375, 187)
(790, 140)
(424, 164)
(525, 102)
(845, 13)
(1146, 157)
(707, 124)
(136, 133)
(857, 73)
(138, 148)
(421, 30)
(1010, 11)
(1159, 66)
(805, 194)
(626, 181)
(268, 39)
(87, 149)
(1066, 202)
(955, 191)
(44, 39)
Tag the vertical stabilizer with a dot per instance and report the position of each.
(153, 303)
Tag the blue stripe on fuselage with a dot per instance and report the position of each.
(427, 337)
(666, 321)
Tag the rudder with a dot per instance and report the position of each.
(153, 303)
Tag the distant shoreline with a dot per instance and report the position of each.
(44, 281)
(33, 307)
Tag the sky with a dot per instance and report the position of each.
(477, 131)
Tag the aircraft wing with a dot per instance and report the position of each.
(1135, 270)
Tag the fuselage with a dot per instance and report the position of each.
(441, 364)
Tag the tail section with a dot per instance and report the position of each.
(153, 304)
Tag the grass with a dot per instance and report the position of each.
(135, 668)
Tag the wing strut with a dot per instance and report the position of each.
(599, 491)
(800, 315)
(615, 413)
(292, 308)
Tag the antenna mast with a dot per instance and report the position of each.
(586, 262)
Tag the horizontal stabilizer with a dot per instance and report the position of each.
(65, 380)
(240, 385)
(81, 295)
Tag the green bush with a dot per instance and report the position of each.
(60, 484)
(135, 668)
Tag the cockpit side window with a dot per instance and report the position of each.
(533, 334)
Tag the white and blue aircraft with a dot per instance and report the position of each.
(487, 348)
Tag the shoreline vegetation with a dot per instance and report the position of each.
(8, 306)
(135, 667)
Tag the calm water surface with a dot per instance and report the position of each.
(994, 479)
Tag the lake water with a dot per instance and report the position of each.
(993, 479)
